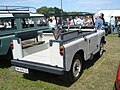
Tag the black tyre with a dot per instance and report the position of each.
(114, 88)
(119, 35)
(8, 57)
(106, 32)
(76, 69)
(5, 60)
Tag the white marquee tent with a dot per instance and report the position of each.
(109, 13)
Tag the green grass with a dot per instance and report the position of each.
(98, 74)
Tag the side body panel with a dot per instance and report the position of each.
(72, 48)
(89, 45)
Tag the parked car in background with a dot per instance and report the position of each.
(117, 81)
(107, 28)
(14, 19)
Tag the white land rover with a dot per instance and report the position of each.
(60, 51)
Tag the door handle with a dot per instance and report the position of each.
(85, 38)
(89, 41)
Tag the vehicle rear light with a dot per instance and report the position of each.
(61, 50)
(11, 45)
(118, 79)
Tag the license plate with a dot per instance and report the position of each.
(20, 69)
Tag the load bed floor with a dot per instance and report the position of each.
(39, 57)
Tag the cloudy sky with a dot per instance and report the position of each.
(68, 5)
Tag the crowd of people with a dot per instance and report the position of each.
(100, 23)
(69, 21)
(79, 21)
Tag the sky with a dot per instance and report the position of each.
(67, 5)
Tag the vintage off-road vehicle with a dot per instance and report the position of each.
(15, 19)
(61, 51)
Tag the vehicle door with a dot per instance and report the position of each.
(93, 43)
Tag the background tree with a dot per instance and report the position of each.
(43, 10)
(49, 11)
(73, 13)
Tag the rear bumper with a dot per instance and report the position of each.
(38, 66)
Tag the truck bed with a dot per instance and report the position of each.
(39, 57)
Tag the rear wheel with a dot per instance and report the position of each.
(8, 57)
(5, 60)
(106, 32)
(76, 69)
(119, 34)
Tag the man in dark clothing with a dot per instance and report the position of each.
(102, 17)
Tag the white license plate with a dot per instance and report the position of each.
(20, 69)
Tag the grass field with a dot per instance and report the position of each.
(98, 74)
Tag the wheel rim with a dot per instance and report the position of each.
(101, 48)
(76, 68)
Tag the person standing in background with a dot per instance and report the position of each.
(112, 24)
(102, 17)
(98, 22)
(68, 23)
(52, 23)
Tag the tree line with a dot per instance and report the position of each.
(49, 11)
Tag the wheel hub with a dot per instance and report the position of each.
(76, 68)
